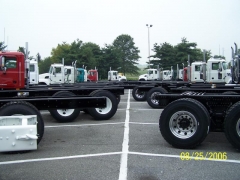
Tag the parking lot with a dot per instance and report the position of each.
(128, 146)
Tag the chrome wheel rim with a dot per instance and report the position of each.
(139, 94)
(183, 124)
(153, 98)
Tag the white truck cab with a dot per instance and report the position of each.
(44, 79)
(166, 75)
(143, 77)
(33, 72)
(153, 74)
(216, 71)
(59, 74)
(115, 76)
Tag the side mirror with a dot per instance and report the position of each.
(2, 61)
(2, 64)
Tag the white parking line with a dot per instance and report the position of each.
(109, 154)
(58, 158)
(144, 123)
(124, 157)
(77, 125)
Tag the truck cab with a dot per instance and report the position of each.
(12, 70)
(216, 71)
(115, 76)
(92, 75)
(166, 75)
(81, 75)
(153, 74)
(112, 75)
(33, 72)
(187, 73)
(196, 71)
(143, 77)
(59, 74)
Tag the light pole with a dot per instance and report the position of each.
(148, 26)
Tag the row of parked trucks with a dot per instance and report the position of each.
(63, 101)
(216, 72)
(202, 90)
(63, 74)
(209, 100)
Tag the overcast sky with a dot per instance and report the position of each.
(213, 24)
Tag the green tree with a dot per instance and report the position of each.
(128, 53)
(218, 57)
(44, 65)
(167, 55)
(90, 54)
(110, 58)
(23, 50)
(60, 52)
(186, 48)
(2, 46)
(164, 55)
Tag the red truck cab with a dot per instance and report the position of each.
(92, 75)
(185, 74)
(12, 70)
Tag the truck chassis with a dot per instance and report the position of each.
(187, 117)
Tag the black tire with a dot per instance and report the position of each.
(24, 108)
(139, 95)
(64, 115)
(118, 98)
(151, 96)
(107, 112)
(189, 113)
(232, 125)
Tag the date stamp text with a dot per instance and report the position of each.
(203, 155)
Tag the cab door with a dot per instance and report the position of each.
(56, 75)
(10, 74)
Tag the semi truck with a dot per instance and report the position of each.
(190, 112)
(201, 74)
(64, 102)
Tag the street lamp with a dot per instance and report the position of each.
(148, 26)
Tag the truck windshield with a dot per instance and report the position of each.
(10, 63)
(224, 65)
(150, 72)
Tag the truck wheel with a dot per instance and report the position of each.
(184, 123)
(151, 96)
(232, 125)
(24, 108)
(139, 95)
(64, 115)
(110, 109)
(118, 98)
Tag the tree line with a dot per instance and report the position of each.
(121, 55)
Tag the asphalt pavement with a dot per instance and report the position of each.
(128, 146)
